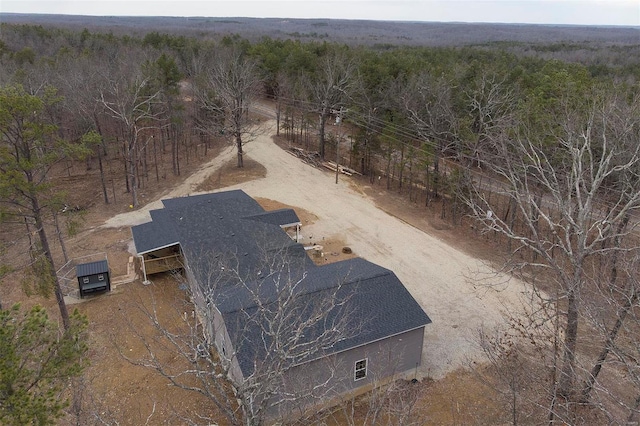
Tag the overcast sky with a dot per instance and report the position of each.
(582, 12)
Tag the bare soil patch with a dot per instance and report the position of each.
(120, 326)
(230, 174)
(328, 250)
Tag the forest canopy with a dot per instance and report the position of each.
(535, 143)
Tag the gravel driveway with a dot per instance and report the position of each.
(457, 291)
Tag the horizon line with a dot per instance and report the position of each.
(325, 19)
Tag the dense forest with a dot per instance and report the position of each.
(533, 144)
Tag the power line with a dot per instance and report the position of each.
(395, 132)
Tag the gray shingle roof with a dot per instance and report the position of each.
(277, 217)
(246, 204)
(210, 232)
(92, 268)
(154, 235)
(242, 259)
(216, 228)
(366, 300)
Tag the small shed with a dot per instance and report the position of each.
(93, 277)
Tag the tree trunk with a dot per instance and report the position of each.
(239, 147)
(427, 187)
(174, 149)
(565, 388)
(620, 317)
(133, 169)
(102, 178)
(103, 142)
(113, 184)
(60, 237)
(611, 337)
(186, 143)
(145, 164)
(436, 172)
(155, 158)
(536, 219)
(302, 126)
(401, 171)
(177, 157)
(278, 109)
(411, 180)
(388, 168)
(44, 242)
(126, 165)
(323, 119)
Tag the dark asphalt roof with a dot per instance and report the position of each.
(215, 238)
(277, 217)
(215, 229)
(92, 268)
(361, 301)
(163, 230)
(242, 259)
(246, 204)
(151, 236)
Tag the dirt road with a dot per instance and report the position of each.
(457, 291)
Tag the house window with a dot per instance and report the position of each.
(85, 280)
(361, 370)
(100, 277)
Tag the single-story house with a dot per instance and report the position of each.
(297, 334)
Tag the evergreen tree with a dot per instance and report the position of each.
(36, 362)
(29, 148)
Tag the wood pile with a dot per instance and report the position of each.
(309, 157)
(313, 158)
(342, 169)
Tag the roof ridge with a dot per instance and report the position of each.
(271, 300)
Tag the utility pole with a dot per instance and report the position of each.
(339, 123)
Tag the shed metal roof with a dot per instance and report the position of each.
(92, 268)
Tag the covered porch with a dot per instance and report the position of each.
(161, 260)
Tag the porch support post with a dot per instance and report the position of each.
(144, 271)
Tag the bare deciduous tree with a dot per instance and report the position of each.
(368, 105)
(80, 85)
(233, 84)
(428, 104)
(329, 89)
(611, 311)
(129, 98)
(519, 353)
(571, 187)
(489, 99)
